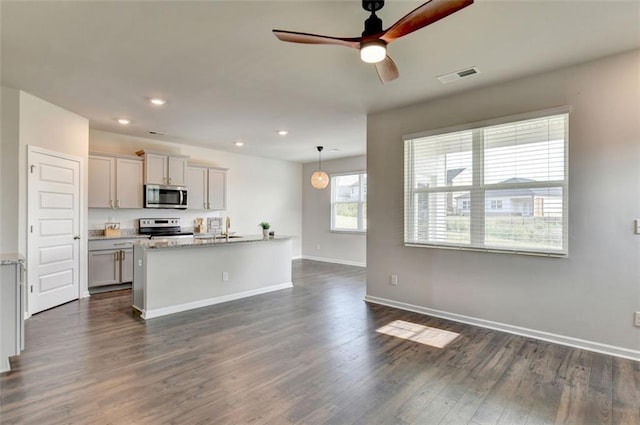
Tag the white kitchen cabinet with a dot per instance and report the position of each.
(11, 312)
(197, 183)
(115, 182)
(217, 189)
(164, 169)
(104, 267)
(207, 188)
(110, 262)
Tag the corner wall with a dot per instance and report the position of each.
(585, 300)
(337, 247)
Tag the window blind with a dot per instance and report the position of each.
(500, 187)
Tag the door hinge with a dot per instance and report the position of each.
(31, 289)
(32, 168)
(31, 229)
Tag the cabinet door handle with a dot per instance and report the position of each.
(208, 205)
(122, 254)
(110, 203)
(76, 237)
(169, 180)
(118, 203)
(116, 255)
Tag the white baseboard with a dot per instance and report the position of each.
(333, 260)
(163, 311)
(532, 333)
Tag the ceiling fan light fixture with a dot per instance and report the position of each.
(373, 51)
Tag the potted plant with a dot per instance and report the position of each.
(265, 228)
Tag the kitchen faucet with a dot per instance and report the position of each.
(227, 225)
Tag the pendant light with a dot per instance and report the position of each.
(319, 179)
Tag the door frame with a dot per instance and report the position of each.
(83, 290)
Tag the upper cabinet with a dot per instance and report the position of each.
(115, 182)
(207, 188)
(164, 169)
(217, 189)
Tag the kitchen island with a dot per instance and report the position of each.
(179, 275)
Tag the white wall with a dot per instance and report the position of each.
(345, 248)
(9, 144)
(258, 189)
(48, 126)
(590, 296)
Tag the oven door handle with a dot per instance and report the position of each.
(181, 196)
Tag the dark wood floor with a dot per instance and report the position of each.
(310, 355)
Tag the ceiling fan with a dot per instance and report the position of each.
(373, 42)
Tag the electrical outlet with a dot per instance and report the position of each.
(636, 319)
(139, 263)
(393, 280)
(225, 276)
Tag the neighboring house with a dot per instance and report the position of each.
(542, 202)
(350, 192)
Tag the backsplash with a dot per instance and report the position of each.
(128, 218)
(123, 232)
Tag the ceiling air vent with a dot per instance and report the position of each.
(457, 75)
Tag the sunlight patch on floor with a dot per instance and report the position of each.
(418, 333)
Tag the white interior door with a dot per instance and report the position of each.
(53, 243)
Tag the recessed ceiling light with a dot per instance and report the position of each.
(157, 101)
(283, 132)
(239, 144)
(124, 121)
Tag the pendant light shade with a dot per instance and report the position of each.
(319, 179)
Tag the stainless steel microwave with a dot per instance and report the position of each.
(161, 196)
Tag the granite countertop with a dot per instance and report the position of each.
(11, 258)
(206, 242)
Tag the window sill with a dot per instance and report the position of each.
(488, 250)
(351, 232)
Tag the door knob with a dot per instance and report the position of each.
(76, 237)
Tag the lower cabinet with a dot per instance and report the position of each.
(110, 266)
(11, 313)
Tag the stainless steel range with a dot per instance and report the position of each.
(163, 228)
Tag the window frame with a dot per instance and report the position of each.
(478, 188)
(361, 215)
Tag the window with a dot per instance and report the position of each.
(349, 202)
(499, 187)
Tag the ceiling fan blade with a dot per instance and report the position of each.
(422, 16)
(301, 37)
(387, 70)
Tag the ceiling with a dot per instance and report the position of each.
(226, 78)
